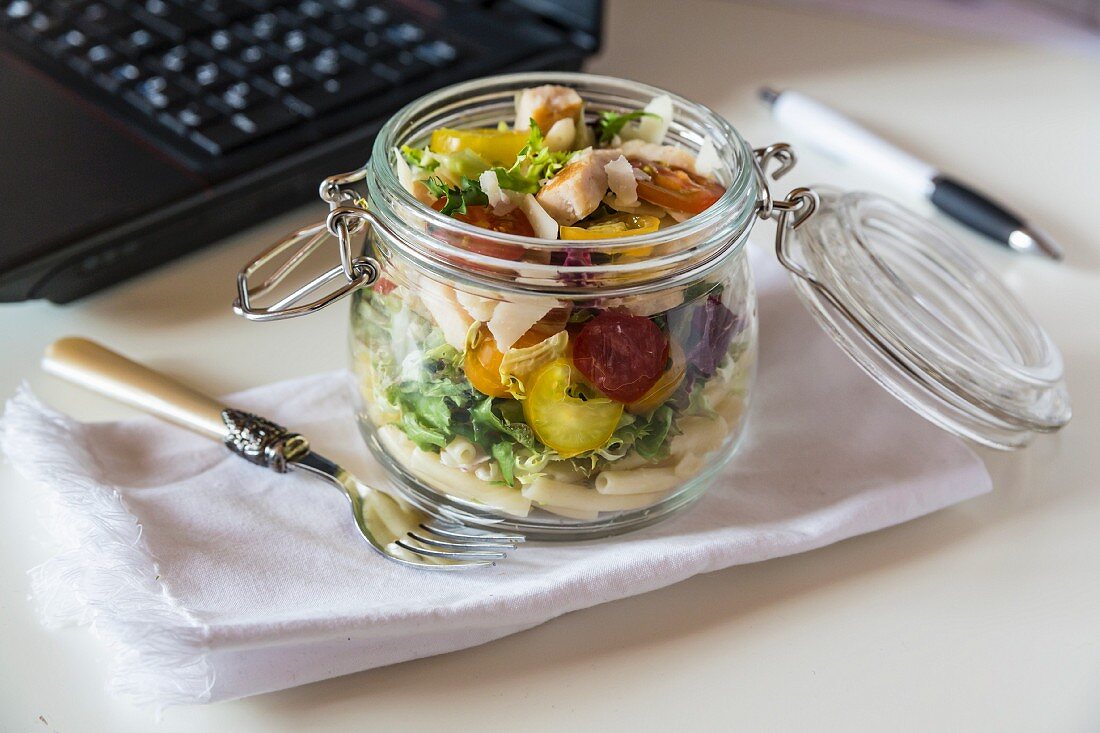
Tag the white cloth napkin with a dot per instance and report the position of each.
(212, 579)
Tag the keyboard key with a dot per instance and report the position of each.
(295, 41)
(311, 9)
(318, 99)
(176, 59)
(242, 128)
(220, 138)
(19, 10)
(372, 16)
(195, 114)
(142, 42)
(401, 68)
(43, 23)
(286, 77)
(224, 41)
(265, 26)
(436, 53)
(327, 62)
(99, 20)
(256, 58)
(101, 55)
(404, 34)
(208, 74)
(240, 96)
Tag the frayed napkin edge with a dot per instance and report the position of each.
(102, 574)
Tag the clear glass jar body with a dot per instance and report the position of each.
(524, 441)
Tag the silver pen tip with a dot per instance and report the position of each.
(1033, 241)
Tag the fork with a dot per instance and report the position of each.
(393, 527)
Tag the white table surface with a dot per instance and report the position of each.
(982, 617)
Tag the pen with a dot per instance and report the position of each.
(842, 138)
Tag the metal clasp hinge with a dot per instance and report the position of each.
(348, 214)
(790, 212)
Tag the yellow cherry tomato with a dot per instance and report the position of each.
(665, 385)
(482, 363)
(561, 418)
(617, 225)
(498, 147)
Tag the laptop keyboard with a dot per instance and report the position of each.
(225, 73)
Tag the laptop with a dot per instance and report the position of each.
(135, 131)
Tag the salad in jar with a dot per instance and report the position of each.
(572, 405)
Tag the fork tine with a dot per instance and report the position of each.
(487, 536)
(471, 555)
(462, 545)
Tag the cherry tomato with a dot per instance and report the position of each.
(498, 147)
(676, 188)
(563, 416)
(482, 363)
(514, 222)
(622, 355)
(384, 286)
(613, 227)
(665, 385)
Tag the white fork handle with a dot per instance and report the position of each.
(101, 370)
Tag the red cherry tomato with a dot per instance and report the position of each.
(676, 188)
(384, 286)
(514, 222)
(621, 355)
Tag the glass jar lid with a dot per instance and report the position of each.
(925, 319)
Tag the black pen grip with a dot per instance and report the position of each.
(973, 209)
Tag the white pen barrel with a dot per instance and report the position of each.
(842, 139)
(101, 370)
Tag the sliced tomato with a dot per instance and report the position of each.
(384, 286)
(514, 222)
(665, 386)
(622, 355)
(612, 227)
(565, 415)
(676, 188)
(482, 363)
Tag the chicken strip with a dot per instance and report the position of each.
(546, 105)
(578, 188)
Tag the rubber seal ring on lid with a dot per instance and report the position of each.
(925, 319)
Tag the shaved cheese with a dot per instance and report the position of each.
(707, 161)
(544, 225)
(410, 182)
(512, 320)
(621, 181)
(638, 208)
(664, 154)
(653, 129)
(441, 302)
(498, 197)
(479, 308)
(561, 135)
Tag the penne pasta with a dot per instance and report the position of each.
(636, 481)
(699, 435)
(426, 467)
(459, 452)
(571, 496)
(582, 514)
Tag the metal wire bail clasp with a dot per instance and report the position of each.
(347, 216)
(790, 212)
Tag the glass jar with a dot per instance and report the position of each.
(485, 378)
